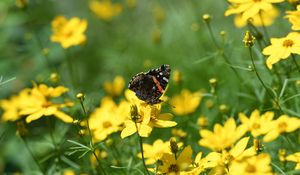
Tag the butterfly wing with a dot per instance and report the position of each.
(150, 86)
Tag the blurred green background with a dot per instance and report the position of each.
(142, 37)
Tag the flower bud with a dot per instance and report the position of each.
(173, 146)
(80, 96)
(248, 39)
(206, 17)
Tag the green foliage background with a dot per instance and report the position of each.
(125, 47)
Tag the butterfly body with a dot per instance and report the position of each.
(150, 86)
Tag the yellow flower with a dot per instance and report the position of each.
(21, 3)
(105, 9)
(257, 124)
(294, 158)
(186, 102)
(68, 32)
(255, 165)
(200, 165)
(41, 105)
(108, 118)
(144, 117)
(220, 161)
(268, 18)
(176, 166)
(154, 152)
(283, 124)
(13, 105)
(177, 76)
(249, 8)
(222, 137)
(202, 122)
(115, 87)
(282, 48)
(179, 132)
(293, 17)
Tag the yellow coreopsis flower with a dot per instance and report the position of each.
(154, 152)
(265, 18)
(186, 102)
(293, 17)
(14, 104)
(115, 87)
(68, 32)
(284, 124)
(200, 165)
(294, 158)
(41, 105)
(249, 8)
(108, 118)
(220, 161)
(144, 117)
(105, 9)
(257, 124)
(222, 137)
(176, 165)
(255, 165)
(282, 48)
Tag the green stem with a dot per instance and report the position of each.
(70, 67)
(264, 28)
(56, 149)
(221, 50)
(32, 155)
(295, 61)
(39, 42)
(91, 138)
(262, 82)
(142, 149)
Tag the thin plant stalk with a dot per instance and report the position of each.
(142, 149)
(222, 50)
(262, 82)
(32, 155)
(91, 137)
(56, 149)
(295, 61)
(264, 28)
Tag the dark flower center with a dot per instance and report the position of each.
(256, 126)
(288, 43)
(106, 124)
(251, 169)
(282, 126)
(173, 168)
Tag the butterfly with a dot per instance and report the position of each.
(151, 85)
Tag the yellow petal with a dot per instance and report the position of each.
(239, 147)
(129, 129)
(35, 116)
(64, 117)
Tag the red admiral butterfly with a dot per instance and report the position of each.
(150, 86)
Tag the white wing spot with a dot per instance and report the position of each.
(164, 78)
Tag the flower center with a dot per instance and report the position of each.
(228, 158)
(46, 104)
(256, 0)
(288, 43)
(256, 126)
(250, 169)
(106, 124)
(282, 127)
(173, 168)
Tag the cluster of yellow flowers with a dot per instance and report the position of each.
(35, 103)
(263, 13)
(235, 144)
(230, 152)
